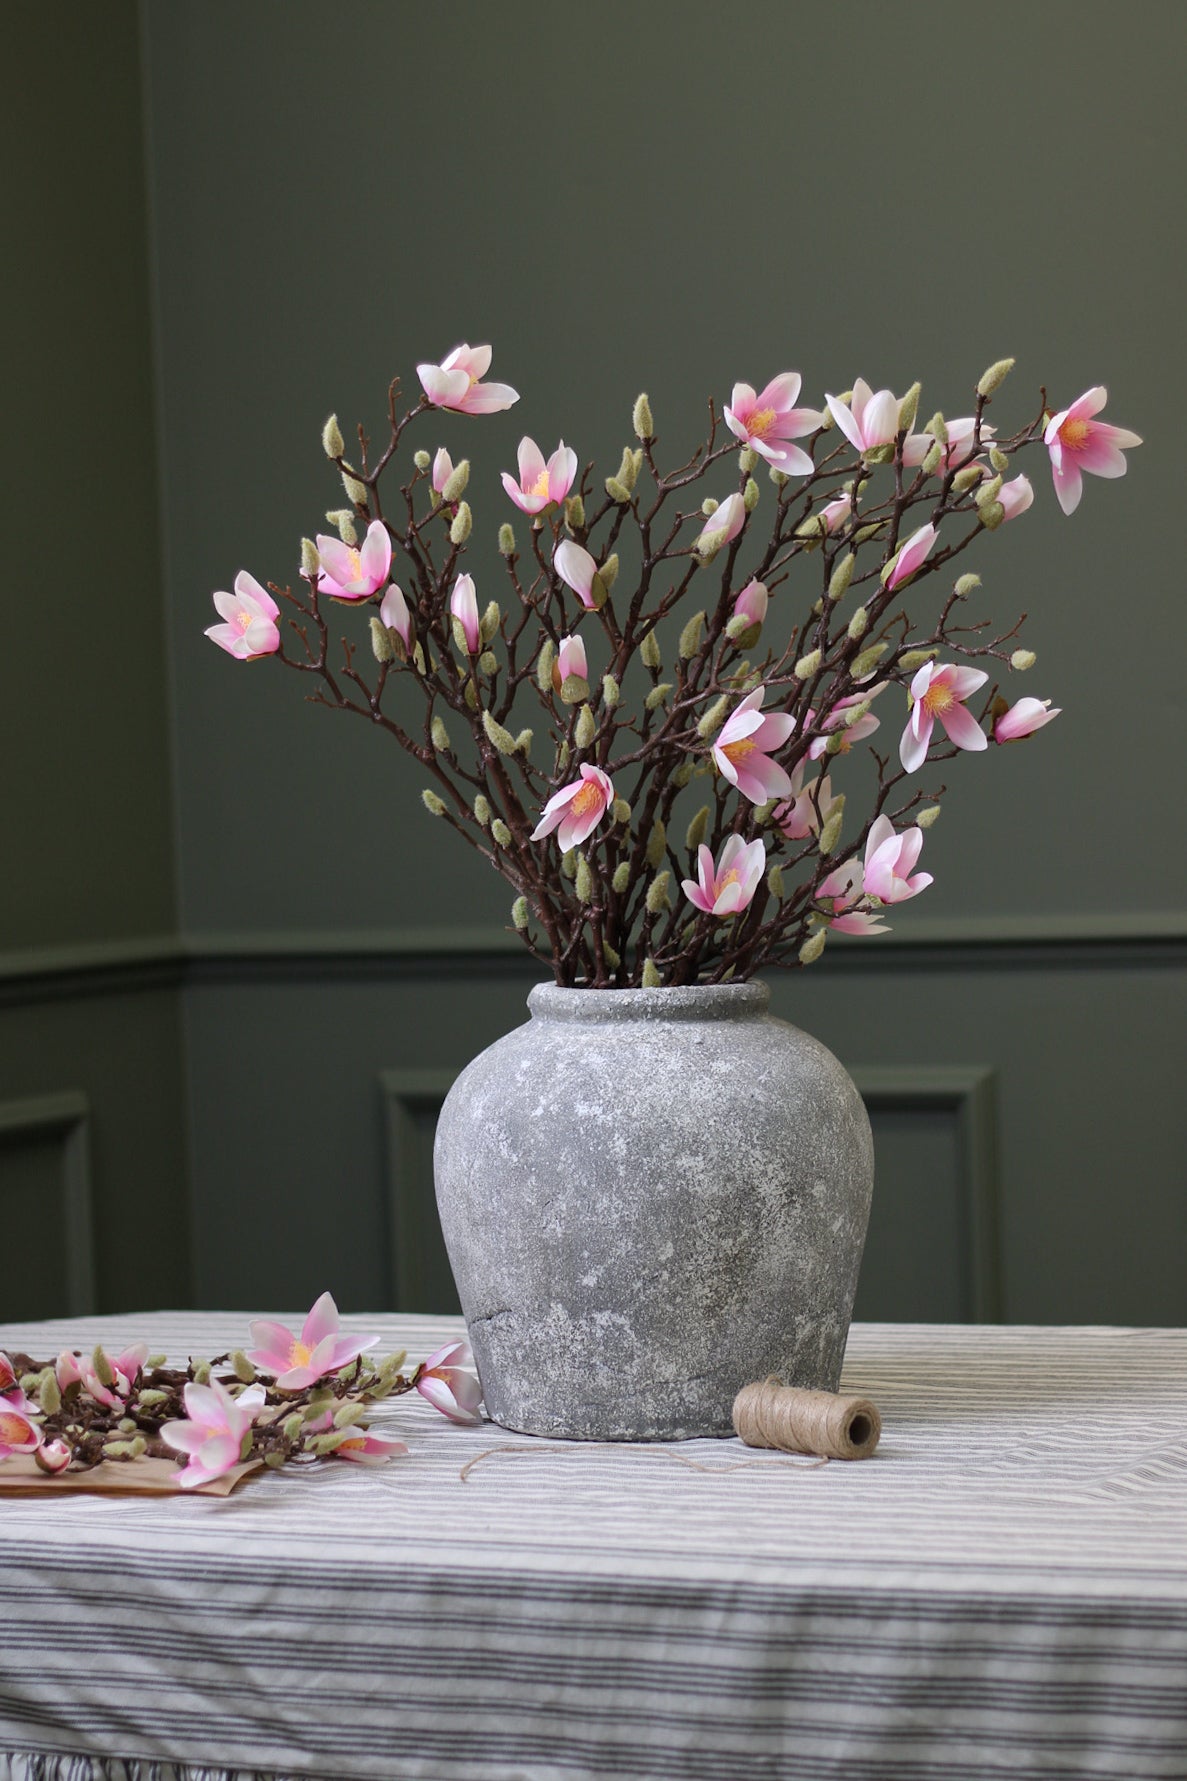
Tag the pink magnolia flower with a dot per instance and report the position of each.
(752, 603)
(744, 745)
(67, 1369)
(834, 718)
(722, 526)
(837, 513)
(960, 449)
(18, 1432)
(889, 861)
(1077, 442)
(53, 1456)
(797, 818)
(1023, 719)
(394, 613)
(250, 615)
(576, 810)
(868, 420)
(298, 1362)
(8, 1378)
(843, 888)
(577, 569)
(541, 483)
(570, 662)
(940, 692)
(463, 603)
(368, 1449)
(454, 383)
(350, 574)
(766, 422)
(449, 1384)
(212, 1432)
(725, 888)
(1016, 496)
(442, 470)
(124, 1367)
(912, 554)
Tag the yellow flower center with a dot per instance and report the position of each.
(761, 422)
(13, 1429)
(587, 799)
(737, 751)
(938, 698)
(356, 565)
(1074, 434)
(540, 486)
(243, 618)
(300, 1354)
(728, 878)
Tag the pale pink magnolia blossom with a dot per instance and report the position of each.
(939, 692)
(1015, 496)
(767, 422)
(797, 819)
(394, 614)
(211, 1434)
(962, 444)
(1077, 442)
(250, 613)
(350, 574)
(752, 603)
(368, 1449)
(18, 1432)
(868, 420)
(1023, 719)
(576, 569)
(843, 888)
(725, 888)
(67, 1370)
(541, 483)
(296, 1362)
(442, 470)
(570, 662)
(912, 554)
(837, 513)
(124, 1368)
(463, 604)
(722, 526)
(53, 1456)
(834, 719)
(745, 744)
(576, 810)
(455, 383)
(889, 862)
(447, 1380)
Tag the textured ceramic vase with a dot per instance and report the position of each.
(651, 1198)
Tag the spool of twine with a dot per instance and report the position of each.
(771, 1414)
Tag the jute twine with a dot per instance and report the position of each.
(639, 1449)
(771, 1414)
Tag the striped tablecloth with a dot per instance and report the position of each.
(1002, 1591)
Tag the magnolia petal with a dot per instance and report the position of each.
(443, 387)
(488, 398)
(963, 729)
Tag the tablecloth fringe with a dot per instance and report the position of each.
(15, 1766)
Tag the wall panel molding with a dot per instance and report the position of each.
(418, 1271)
(63, 1120)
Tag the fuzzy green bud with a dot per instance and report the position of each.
(611, 691)
(618, 491)
(991, 515)
(879, 454)
(992, 380)
(506, 540)
(813, 528)
(455, 486)
(574, 688)
(545, 662)
(348, 1414)
(780, 478)
(657, 843)
(641, 418)
(924, 818)
(775, 882)
(463, 524)
(500, 833)
(608, 573)
(859, 623)
(841, 576)
(868, 660)
(697, 829)
(1022, 659)
(684, 772)
(830, 834)
(709, 506)
(690, 636)
(871, 531)
(657, 893)
(331, 438)
(418, 662)
(432, 803)
(292, 1426)
(520, 914)
(356, 491)
(937, 426)
(583, 883)
(811, 950)
(155, 1360)
(966, 479)
(310, 561)
(990, 489)
(586, 728)
(202, 1373)
(421, 459)
(657, 695)
(651, 978)
(343, 519)
(747, 459)
(620, 811)
(482, 809)
(621, 878)
(713, 718)
(966, 585)
(575, 513)
(808, 665)
(242, 1367)
(908, 408)
(382, 647)
(932, 459)
(488, 661)
(488, 624)
(750, 495)
(914, 658)
(147, 1398)
(49, 1394)
(562, 757)
(649, 651)
(998, 459)
(440, 735)
(569, 863)
(743, 631)
(104, 1371)
(628, 469)
(502, 739)
(613, 959)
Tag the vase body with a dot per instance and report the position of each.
(651, 1198)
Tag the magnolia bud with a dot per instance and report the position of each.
(488, 661)
(641, 418)
(440, 735)
(562, 757)
(807, 665)
(811, 950)
(859, 623)
(998, 458)
(421, 459)
(864, 532)
(1022, 659)
(649, 651)
(924, 818)
(933, 458)
(830, 834)
(310, 561)
(991, 515)
(545, 662)
(49, 1394)
(621, 878)
(750, 495)
(775, 882)
(996, 375)
(938, 428)
(608, 572)
(586, 728)
(709, 506)
(613, 959)
(908, 408)
(573, 689)
(618, 491)
(356, 490)
(418, 662)
(583, 883)
(684, 772)
(690, 636)
(482, 809)
(842, 575)
(575, 513)
(657, 695)
(747, 459)
(455, 485)
(490, 621)
(989, 490)
(814, 527)
(868, 660)
(569, 863)
(611, 691)
(879, 454)
(348, 1414)
(382, 647)
(780, 478)
(697, 829)
(966, 479)
(502, 739)
(628, 469)
(331, 438)
(506, 540)
(523, 742)
(500, 833)
(432, 802)
(343, 519)
(202, 1373)
(657, 893)
(463, 523)
(657, 843)
(519, 913)
(651, 978)
(743, 631)
(620, 810)
(914, 658)
(713, 718)
(104, 1371)
(242, 1367)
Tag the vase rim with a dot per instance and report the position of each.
(685, 1002)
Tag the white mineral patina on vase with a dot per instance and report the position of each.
(651, 1198)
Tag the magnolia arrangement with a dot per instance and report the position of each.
(289, 1399)
(651, 731)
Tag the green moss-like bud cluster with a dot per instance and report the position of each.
(488, 661)
(421, 459)
(575, 513)
(938, 428)
(455, 486)
(331, 438)
(569, 863)
(775, 882)
(908, 408)
(750, 495)
(868, 660)
(1022, 659)
(488, 624)
(310, 561)
(618, 491)
(545, 662)
(830, 834)
(709, 506)
(482, 809)
(914, 658)
(356, 491)
(990, 489)
(523, 742)
(966, 479)
(342, 518)
(651, 978)
(998, 458)
(620, 811)
(574, 688)
(608, 573)
(613, 959)
(684, 772)
(933, 458)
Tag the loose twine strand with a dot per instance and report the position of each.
(636, 1447)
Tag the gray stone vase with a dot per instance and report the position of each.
(651, 1197)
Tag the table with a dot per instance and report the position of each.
(1001, 1591)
